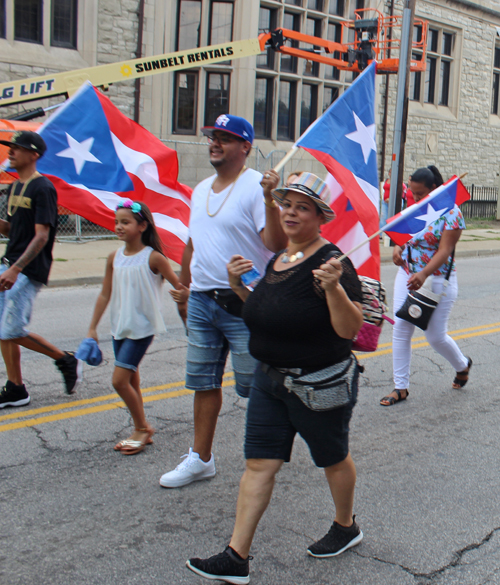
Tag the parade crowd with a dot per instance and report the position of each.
(258, 280)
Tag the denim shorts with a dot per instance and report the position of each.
(129, 352)
(275, 415)
(16, 305)
(212, 333)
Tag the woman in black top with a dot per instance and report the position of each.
(302, 317)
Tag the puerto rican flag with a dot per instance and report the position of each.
(96, 156)
(343, 139)
(409, 222)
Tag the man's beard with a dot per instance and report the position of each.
(216, 163)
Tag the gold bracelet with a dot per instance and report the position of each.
(271, 205)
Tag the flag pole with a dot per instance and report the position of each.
(360, 245)
(286, 158)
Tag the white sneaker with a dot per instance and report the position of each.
(191, 469)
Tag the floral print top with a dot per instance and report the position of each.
(426, 243)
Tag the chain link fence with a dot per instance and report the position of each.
(73, 228)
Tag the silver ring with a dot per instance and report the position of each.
(266, 176)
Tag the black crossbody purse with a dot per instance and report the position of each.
(420, 305)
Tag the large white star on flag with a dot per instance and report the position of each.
(432, 214)
(364, 136)
(79, 152)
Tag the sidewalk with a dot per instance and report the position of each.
(84, 262)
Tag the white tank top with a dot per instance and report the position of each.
(136, 297)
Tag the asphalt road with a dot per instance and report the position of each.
(74, 511)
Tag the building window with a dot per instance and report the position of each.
(315, 4)
(263, 108)
(495, 106)
(355, 5)
(308, 106)
(337, 7)
(185, 100)
(268, 19)
(217, 97)
(28, 21)
(436, 85)
(334, 33)
(189, 23)
(313, 28)
(2, 19)
(221, 23)
(64, 15)
(294, 2)
(286, 110)
(330, 94)
(291, 22)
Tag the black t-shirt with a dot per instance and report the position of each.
(39, 205)
(288, 316)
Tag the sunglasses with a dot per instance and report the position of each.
(223, 139)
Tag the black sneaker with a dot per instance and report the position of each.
(226, 566)
(12, 395)
(71, 369)
(338, 540)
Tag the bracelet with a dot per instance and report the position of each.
(271, 205)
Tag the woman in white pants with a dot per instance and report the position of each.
(430, 254)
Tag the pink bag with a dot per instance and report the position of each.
(367, 337)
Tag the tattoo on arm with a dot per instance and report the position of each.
(34, 248)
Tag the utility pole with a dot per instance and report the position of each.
(401, 118)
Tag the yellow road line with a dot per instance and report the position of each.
(452, 333)
(66, 405)
(466, 333)
(31, 422)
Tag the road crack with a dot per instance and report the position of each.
(430, 577)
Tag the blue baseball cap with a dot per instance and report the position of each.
(232, 125)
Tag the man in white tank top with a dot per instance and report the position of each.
(231, 213)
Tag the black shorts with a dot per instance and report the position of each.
(275, 415)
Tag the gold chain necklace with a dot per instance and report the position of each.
(298, 255)
(227, 196)
(20, 197)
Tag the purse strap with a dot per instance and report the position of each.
(447, 277)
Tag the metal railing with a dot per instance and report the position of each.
(482, 204)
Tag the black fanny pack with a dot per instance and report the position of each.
(324, 389)
(227, 300)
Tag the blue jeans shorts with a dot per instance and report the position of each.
(129, 352)
(275, 415)
(212, 333)
(16, 305)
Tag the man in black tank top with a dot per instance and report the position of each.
(30, 226)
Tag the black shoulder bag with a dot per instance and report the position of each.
(419, 305)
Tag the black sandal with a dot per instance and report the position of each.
(462, 378)
(391, 400)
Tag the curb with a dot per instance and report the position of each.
(91, 280)
(81, 281)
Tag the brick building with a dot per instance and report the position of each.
(454, 116)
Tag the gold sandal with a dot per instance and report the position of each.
(131, 446)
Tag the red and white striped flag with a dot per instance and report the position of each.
(96, 156)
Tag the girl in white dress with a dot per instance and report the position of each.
(132, 283)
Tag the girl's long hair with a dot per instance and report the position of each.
(150, 235)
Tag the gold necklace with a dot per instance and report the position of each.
(227, 196)
(20, 197)
(298, 255)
